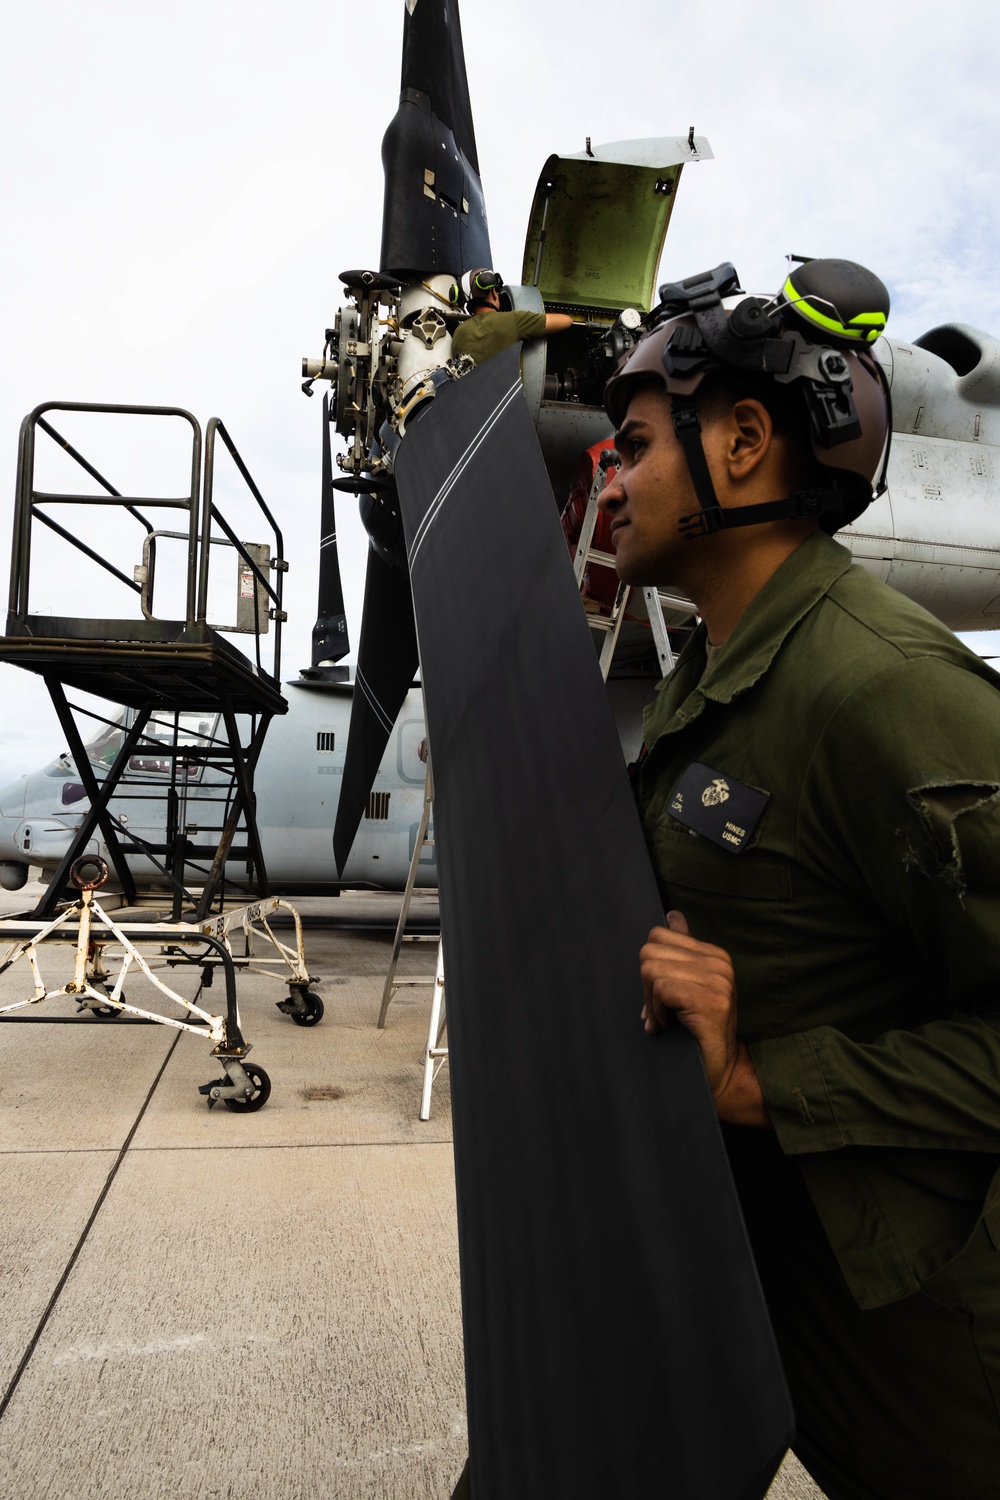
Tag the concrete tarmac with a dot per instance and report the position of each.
(227, 1306)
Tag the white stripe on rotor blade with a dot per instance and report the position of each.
(376, 706)
(463, 463)
(328, 541)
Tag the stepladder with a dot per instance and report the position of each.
(608, 601)
(435, 1054)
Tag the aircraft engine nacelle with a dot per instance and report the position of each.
(935, 534)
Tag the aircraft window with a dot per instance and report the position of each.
(378, 805)
(192, 729)
(411, 751)
(325, 739)
(72, 792)
(105, 743)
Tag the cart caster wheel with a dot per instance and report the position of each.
(102, 1012)
(261, 1091)
(313, 1013)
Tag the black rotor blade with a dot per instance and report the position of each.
(330, 640)
(616, 1339)
(436, 225)
(387, 663)
(428, 226)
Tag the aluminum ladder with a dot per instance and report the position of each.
(435, 1055)
(655, 600)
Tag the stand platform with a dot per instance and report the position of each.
(167, 664)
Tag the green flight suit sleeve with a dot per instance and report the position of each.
(902, 800)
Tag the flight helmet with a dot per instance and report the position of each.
(809, 347)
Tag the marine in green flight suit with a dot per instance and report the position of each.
(863, 925)
(820, 791)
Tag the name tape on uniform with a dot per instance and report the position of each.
(717, 806)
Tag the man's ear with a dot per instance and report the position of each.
(749, 436)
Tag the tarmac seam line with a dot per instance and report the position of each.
(74, 1257)
(58, 1151)
(304, 1146)
(444, 1140)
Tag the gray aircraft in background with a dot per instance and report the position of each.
(298, 788)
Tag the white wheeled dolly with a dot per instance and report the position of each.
(98, 986)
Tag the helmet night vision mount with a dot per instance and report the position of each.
(809, 345)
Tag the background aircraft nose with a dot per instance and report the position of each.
(13, 869)
(12, 798)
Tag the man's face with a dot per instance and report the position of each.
(650, 493)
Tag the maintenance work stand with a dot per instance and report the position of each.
(187, 875)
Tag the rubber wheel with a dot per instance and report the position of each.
(313, 1015)
(105, 1012)
(259, 1097)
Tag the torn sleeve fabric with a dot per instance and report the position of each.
(863, 916)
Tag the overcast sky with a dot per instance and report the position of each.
(183, 183)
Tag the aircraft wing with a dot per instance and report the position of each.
(616, 1339)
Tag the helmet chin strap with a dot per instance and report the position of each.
(802, 505)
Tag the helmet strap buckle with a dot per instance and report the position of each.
(702, 523)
